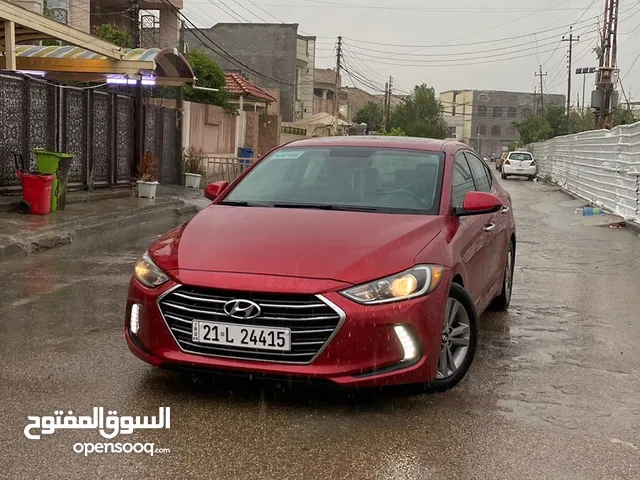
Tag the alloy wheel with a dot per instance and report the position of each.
(455, 339)
(508, 275)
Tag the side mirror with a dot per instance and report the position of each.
(478, 203)
(213, 190)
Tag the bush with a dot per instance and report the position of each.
(147, 167)
(193, 161)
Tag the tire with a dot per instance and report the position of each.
(457, 296)
(503, 300)
(503, 176)
(532, 178)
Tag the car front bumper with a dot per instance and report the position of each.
(365, 350)
(524, 171)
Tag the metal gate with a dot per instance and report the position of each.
(96, 125)
(27, 110)
(160, 138)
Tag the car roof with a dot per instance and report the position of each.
(427, 144)
(520, 151)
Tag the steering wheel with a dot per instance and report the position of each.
(405, 191)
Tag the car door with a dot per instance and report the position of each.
(470, 240)
(494, 232)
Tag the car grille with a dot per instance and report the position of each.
(312, 322)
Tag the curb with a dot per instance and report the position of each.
(9, 204)
(57, 236)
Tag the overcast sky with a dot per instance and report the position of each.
(452, 44)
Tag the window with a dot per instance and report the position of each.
(482, 111)
(526, 112)
(497, 111)
(496, 130)
(482, 129)
(512, 112)
(462, 180)
(452, 132)
(481, 175)
(483, 97)
(346, 178)
(521, 156)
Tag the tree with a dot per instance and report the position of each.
(371, 114)
(582, 122)
(112, 34)
(622, 116)
(420, 115)
(534, 128)
(556, 116)
(209, 75)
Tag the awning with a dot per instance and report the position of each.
(69, 63)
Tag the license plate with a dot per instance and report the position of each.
(520, 169)
(242, 336)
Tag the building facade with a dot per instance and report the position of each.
(273, 56)
(490, 115)
(455, 127)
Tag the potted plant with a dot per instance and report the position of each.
(147, 183)
(193, 166)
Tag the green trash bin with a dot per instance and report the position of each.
(59, 165)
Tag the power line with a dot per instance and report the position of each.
(439, 60)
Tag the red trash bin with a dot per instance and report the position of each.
(36, 191)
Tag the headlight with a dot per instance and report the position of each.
(148, 273)
(416, 281)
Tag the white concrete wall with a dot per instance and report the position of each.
(601, 166)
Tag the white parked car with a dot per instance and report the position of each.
(520, 164)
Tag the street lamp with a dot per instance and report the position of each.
(584, 72)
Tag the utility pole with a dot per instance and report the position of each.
(541, 90)
(386, 125)
(336, 101)
(384, 106)
(135, 22)
(607, 76)
(571, 39)
(180, 111)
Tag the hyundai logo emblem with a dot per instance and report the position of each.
(242, 309)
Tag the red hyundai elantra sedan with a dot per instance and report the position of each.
(363, 261)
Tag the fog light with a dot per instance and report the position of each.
(408, 345)
(134, 321)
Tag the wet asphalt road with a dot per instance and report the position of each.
(554, 391)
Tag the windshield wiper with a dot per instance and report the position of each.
(240, 204)
(323, 206)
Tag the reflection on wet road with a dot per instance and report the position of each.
(553, 393)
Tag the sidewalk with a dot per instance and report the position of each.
(90, 213)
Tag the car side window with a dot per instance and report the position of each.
(481, 176)
(462, 180)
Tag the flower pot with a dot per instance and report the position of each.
(192, 180)
(147, 189)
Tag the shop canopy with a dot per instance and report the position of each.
(69, 63)
(86, 58)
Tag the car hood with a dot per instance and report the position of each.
(349, 247)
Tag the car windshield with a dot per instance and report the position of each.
(520, 156)
(346, 178)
